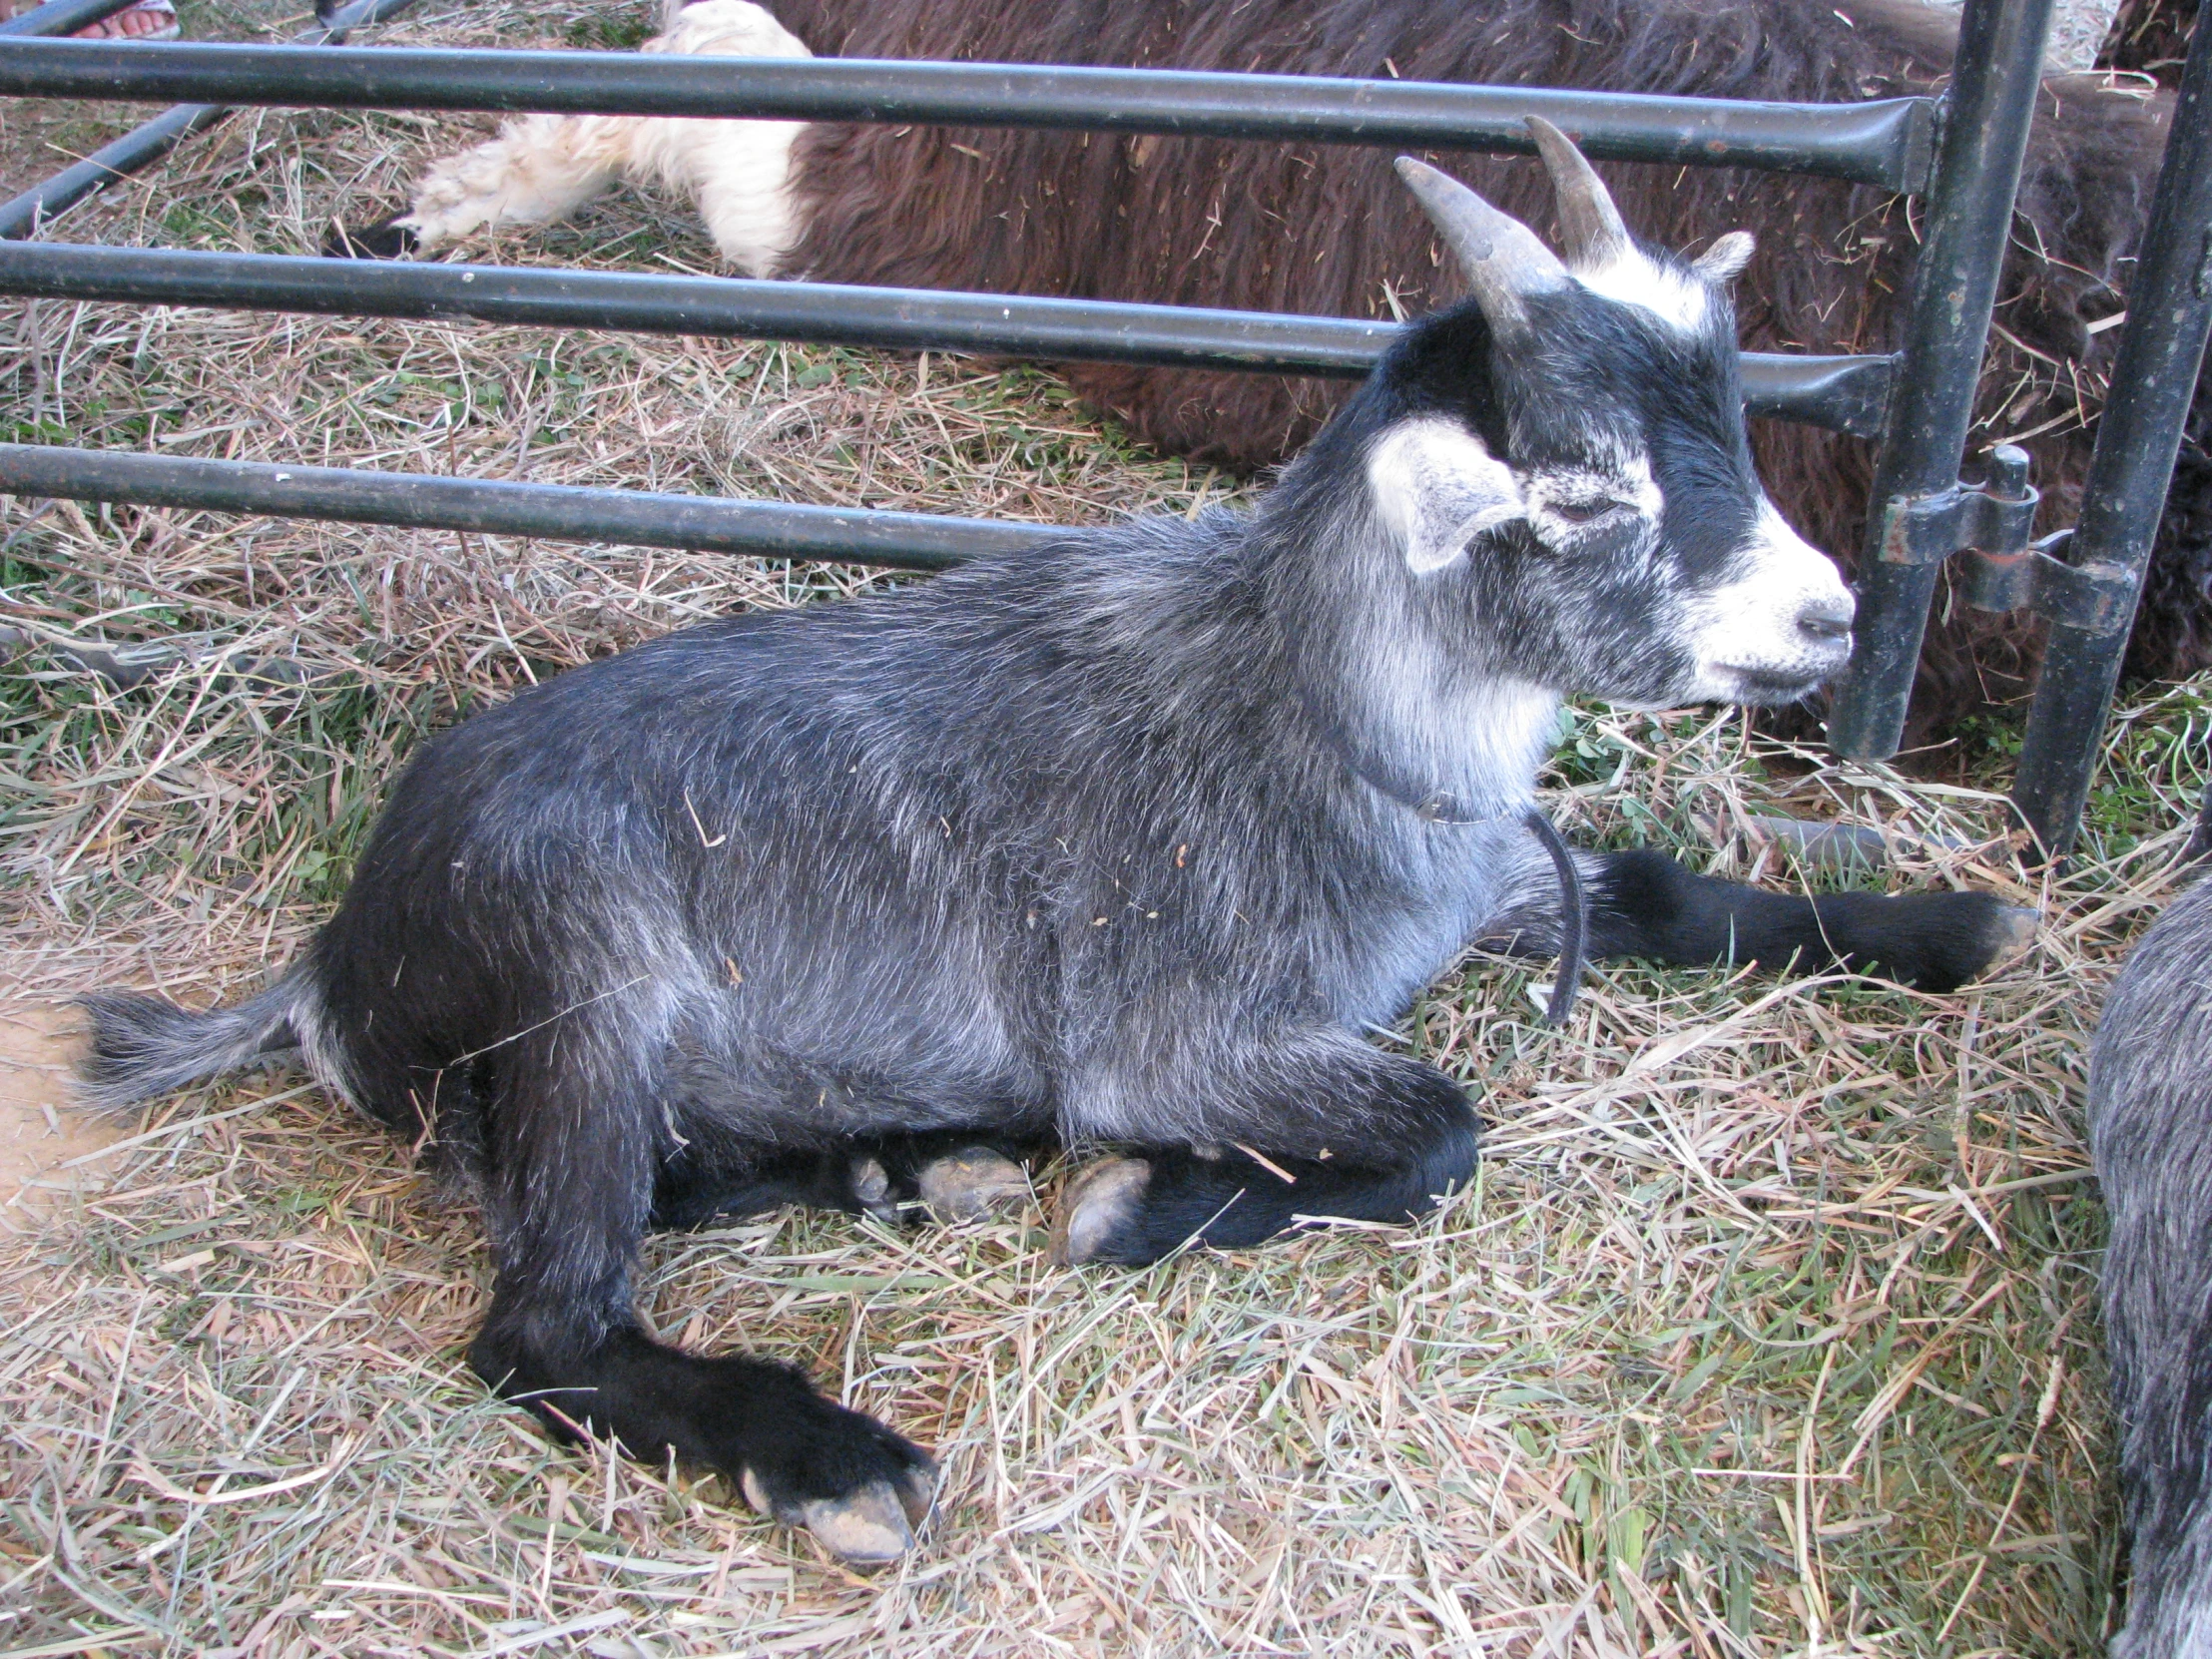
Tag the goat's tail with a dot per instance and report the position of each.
(144, 1046)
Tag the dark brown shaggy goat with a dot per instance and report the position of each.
(1316, 228)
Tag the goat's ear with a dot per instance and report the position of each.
(1438, 486)
(1724, 261)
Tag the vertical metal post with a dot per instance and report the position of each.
(1970, 216)
(2169, 312)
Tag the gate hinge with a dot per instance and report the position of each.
(1996, 517)
(2098, 599)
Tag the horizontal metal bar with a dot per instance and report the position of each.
(45, 201)
(61, 17)
(1887, 142)
(1842, 392)
(550, 512)
(912, 319)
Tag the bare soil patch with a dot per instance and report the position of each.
(42, 1129)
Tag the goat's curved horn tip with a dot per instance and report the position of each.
(1501, 258)
(1591, 224)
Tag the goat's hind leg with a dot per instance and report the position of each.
(1335, 1130)
(578, 1134)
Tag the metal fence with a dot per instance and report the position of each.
(1962, 152)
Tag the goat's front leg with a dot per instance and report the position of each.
(1327, 1128)
(579, 1130)
(1644, 903)
(539, 169)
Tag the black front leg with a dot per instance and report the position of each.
(1644, 903)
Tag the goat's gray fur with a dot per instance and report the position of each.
(2150, 1122)
(1122, 841)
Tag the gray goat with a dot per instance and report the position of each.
(2150, 1123)
(1121, 843)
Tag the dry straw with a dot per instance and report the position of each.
(1767, 1328)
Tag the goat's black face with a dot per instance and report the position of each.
(1565, 460)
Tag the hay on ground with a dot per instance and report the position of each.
(1767, 1330)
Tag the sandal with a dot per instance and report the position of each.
(141, 20)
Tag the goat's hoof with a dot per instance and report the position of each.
(864, 1527)
(972, 1183)
(2016, 927)
(388, 238)
(871, 1189)
(1098, 1205)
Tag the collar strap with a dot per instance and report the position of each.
(1574, 916)
(1441, 807)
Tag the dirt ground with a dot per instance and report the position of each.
(42, 1133)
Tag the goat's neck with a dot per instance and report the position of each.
(1414, 715)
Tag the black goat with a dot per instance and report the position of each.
(1122, 843)
(2150, 1122)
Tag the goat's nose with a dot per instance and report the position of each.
(1828, 619)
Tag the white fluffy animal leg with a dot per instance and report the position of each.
(739, 171)
(542, 167)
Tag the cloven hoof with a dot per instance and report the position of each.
(866, 1527)
(1097, 1204)
(2019, 924)
(972, 1183)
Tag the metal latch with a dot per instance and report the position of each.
(1996, 517)
(1988, 526)
(2095, 598)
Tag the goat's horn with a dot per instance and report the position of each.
(1502, 257)
(1589, 223)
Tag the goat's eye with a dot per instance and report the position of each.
(1584, 512)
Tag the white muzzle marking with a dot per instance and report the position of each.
(1754, 638)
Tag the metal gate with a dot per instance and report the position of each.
(1962, 152)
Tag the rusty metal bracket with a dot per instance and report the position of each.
(1987, 526)
(1996, 517)
(2097, 599)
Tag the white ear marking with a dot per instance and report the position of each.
(1724, 261)
(1439, 486)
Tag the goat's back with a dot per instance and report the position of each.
(950, 840)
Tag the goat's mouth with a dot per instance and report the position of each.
(1747, 683)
